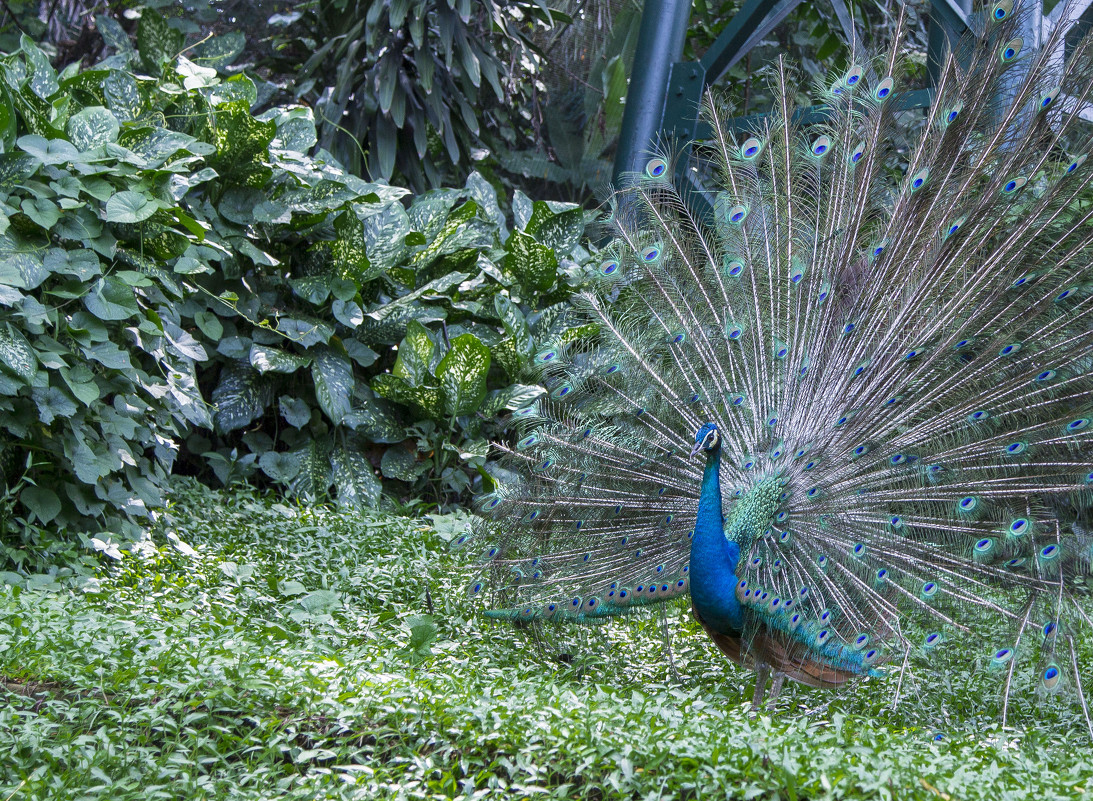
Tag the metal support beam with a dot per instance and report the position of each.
(730, 44)
(660, 45)
(948, 22)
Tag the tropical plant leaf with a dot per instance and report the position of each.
(462, 375)
(354, 479)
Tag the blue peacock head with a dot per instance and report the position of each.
(706, 438)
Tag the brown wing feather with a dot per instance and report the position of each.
(768, 649)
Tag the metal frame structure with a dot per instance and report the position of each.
(665, 92)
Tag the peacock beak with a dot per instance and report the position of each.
(696, 449)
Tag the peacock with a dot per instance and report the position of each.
(848, 409)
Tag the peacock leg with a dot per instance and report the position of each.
(776, 685)
(762, 671)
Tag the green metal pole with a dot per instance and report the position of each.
(660, 44)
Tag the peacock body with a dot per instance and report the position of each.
(854, 403)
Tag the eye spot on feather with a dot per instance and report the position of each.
(976, 416)
(1002, 10)
(857, 153)
(750, 149)
(1074, 426)
(529, 441)
(737, 214)
(820, 146)
(1075, 164)
(1011, 49)
(884, 89)
(1048, 97)
(1013, 184)
(609, 267)
(656, 168)
(932, 640)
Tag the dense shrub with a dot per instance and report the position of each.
(183, 282)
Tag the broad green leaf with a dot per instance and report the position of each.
(267, 359)
(426, 400)
(195, 76)
(15, 168)
(360, 353)
(48, 151)
(534, 265)
(123, 95)
(305, 331)
(111, 299)
(42, 210)
(92, 127)
(558, 226)
(8, 125)
(295, 411)
(354, 479)
(348, 252)
(485, 197)
(295, 128)
(157, 42)
(375, 419)
(333, 376)
(320, 602)
(242, 144)
(401, 464)
(462, 375)
(415, 354)
(516, 396)
(241, 396)
(423, 633)
(384, 237)
(220, 51)
(43, 78)
(112, 33)
(313, 478)
(81, 382)
(348, 313)
(42, 501)
(131, 207)
(237, 89)
(281, 467)
(210, 326)
(312, 288)
(16, 354)
(516, 325)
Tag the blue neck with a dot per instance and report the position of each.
(714, 557)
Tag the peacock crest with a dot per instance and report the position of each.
(858, 393)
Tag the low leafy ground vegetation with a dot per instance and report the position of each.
(257, 650)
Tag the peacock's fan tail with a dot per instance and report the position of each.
(907, 353)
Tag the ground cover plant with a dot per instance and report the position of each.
(256, 649)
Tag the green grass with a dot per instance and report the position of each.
(294, 655)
